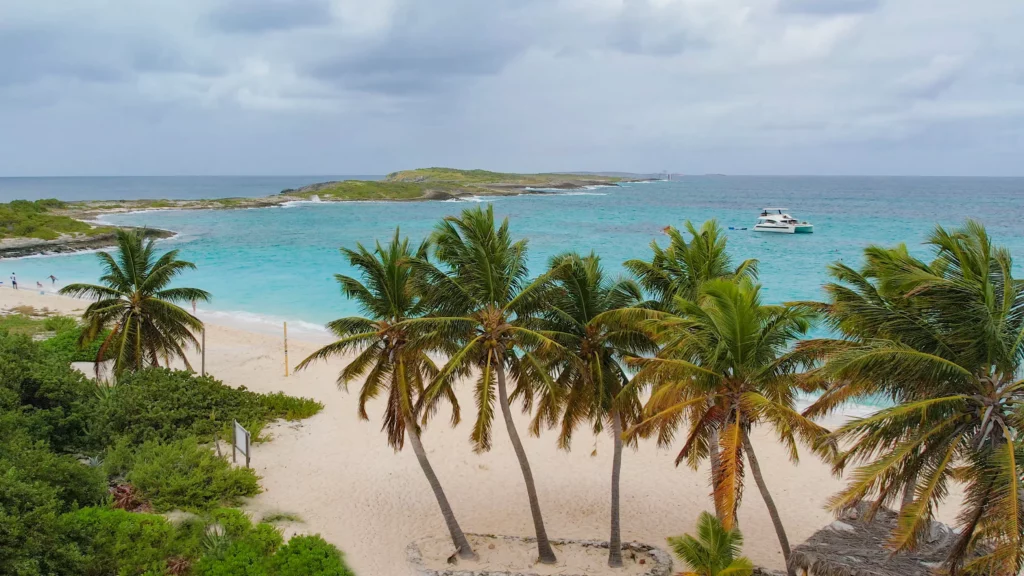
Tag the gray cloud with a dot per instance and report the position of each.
(828, 7)
(255, 16)
(370, 86)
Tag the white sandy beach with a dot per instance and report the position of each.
(338, 474)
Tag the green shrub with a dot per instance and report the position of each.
(248, 551)
(32, 541)
(60, 324)
(57, 400)
(181, 474)
(65, 344)
(119, 542)
(169, 404)
(309, 556)
(72, 483)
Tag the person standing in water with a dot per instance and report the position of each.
(53, 279)
(14, 281)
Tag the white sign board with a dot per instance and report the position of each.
(240, 443)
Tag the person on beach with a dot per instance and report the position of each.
(39, 285)
(193, 307)
(14, 281)
(53, 279)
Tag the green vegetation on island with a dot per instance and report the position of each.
(55, 226)
(38, 220)
(444, 183)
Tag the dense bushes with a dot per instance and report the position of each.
(180, 474)
(118, 542)
(56, 400)
(309, 556)
(65, 343)
(161, 404)
(151, 430)
(22, 218)
(240, 548)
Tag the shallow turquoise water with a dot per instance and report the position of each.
(265, 265)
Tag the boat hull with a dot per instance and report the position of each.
(798, 229)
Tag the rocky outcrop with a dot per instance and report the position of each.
(20, 247)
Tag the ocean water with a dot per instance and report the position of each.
(267, 265)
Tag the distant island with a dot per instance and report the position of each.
(53, 226)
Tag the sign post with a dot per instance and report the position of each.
(240, 443)
(203, 369)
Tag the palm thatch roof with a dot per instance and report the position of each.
(852, 547)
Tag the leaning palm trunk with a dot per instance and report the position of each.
(755, 470)
(546, 554)
(462, 545)
(615, 541)
(716, 471)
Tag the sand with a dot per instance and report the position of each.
(338, 474)
(506, 555)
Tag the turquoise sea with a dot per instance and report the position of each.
(267, 265)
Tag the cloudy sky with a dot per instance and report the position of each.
(112, 87)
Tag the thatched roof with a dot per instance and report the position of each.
(852, 547)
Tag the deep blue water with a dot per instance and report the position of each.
(278, 263)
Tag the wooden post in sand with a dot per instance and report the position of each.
(203, 369)
(286, 349)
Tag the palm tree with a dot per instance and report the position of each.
(724, 366)
(714, 552)
(136, 304)
(945, 341)
(389, 355)
(482, 301)
(680, 269)
(591, 381)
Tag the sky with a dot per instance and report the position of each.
(262, 87)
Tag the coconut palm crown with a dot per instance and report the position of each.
(724, 367)
(945, 341)
(591, 383)
(682, 267)
(136, 302)
(483, 302)
(714, 552)
(389, 355)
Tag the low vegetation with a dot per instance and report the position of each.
(25, 219)
(167, 405)
(485, 177)
(79, 483)
(714, 551)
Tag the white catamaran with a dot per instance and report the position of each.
(778, 220)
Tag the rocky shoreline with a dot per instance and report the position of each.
(21, 247)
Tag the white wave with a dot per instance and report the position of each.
(471, 199)
(57, 254)
(264, 323)
(583, 194)
(314, 199)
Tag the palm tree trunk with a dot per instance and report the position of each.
(546, 554)
(716, 471)
(462, 545)
(755, 469)
(909, 493)
(615, 541)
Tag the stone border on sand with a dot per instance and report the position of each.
(661, 565)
